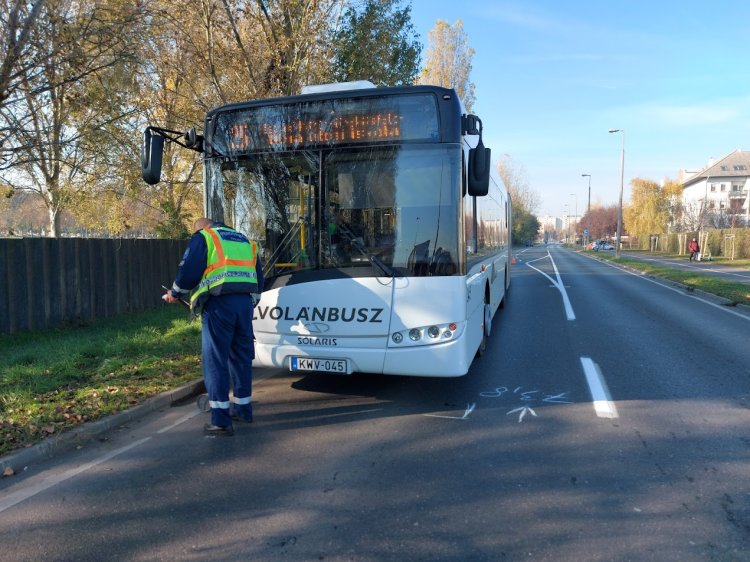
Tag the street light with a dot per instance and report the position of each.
(575, 218)
(588, 207)
(622, 181)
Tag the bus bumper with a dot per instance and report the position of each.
(449, 359)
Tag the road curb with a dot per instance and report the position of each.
(69, 439)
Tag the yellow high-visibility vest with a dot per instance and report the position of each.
(230, 266)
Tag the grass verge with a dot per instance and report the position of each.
(718, 260)
(735, 292)
(56, 379)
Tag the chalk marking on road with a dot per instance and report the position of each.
(526, 396)
(16, 497)
(557, 399)
(603, 405)
(497, 393)
(569, 314)
(524, 410)
(469, 409)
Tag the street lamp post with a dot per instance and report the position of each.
(588, 206)
(622, 182)
(575, 218)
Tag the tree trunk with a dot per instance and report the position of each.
(54, 222)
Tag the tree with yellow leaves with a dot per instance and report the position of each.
(652, 207)
(448, 60)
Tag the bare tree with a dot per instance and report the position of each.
(66, 99)
(514, 177)
(19, 19)
(602, 221)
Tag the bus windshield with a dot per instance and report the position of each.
(355, 212)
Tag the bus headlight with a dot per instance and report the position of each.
(428, 335)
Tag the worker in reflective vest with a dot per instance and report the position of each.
(222, 273)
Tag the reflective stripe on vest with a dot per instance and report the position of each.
(227, 260)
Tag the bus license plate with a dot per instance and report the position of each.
(315, 364)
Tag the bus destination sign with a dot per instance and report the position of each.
(307, 132)
(327, 123)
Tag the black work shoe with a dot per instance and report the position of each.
(239, 418)
(218, 430)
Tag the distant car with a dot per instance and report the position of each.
(529, 243)
(606, 246)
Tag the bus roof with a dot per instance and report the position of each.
(443, 93)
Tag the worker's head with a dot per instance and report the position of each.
(201, 223)
(694, 240)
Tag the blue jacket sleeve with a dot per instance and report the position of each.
(192, 266)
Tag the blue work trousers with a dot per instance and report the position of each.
(228, 352)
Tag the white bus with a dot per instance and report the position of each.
(385, 242)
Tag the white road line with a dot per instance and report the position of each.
(603, 405)
(183, 419)
(16, 497)
(569, 314)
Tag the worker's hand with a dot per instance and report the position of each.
(167, 297)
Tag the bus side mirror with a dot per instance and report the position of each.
(479, 170)
(151, 155)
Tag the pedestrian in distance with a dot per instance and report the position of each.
(221, 272)
(694, 249)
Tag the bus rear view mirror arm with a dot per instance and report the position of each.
(153, 148)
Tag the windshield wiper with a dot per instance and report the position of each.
(356, 242)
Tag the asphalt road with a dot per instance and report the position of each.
(608, 420)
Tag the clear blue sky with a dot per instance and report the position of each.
(552, 76)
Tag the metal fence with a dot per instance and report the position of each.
(46, 282)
